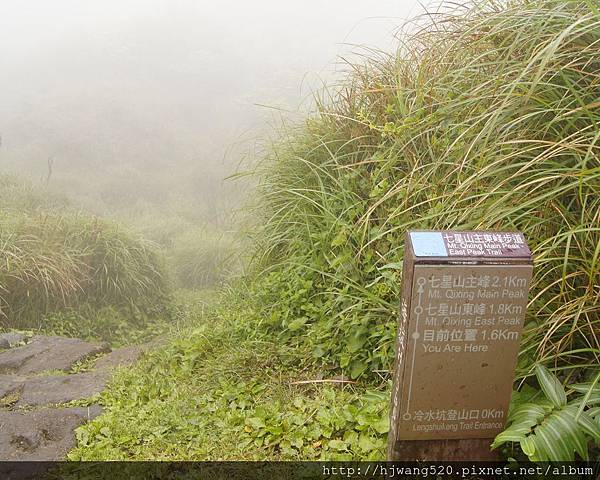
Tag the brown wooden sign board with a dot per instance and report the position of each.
(464, 298)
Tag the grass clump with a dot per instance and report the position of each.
(18, 196)
(486, 118)
(59, 262)
(198, 254)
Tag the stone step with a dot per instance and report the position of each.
(45, 353)
(45, 434)
(9, 385)
(11, 339)
(46, 431)
(38, 391)
(119, 357)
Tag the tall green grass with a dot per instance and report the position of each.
(487, 117)
(18, 195)
(53, 259)
(198, 254)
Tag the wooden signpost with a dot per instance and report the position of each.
(464, 298)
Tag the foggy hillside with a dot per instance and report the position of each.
(145, 316)
(141, 101)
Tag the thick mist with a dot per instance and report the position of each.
(124, 103)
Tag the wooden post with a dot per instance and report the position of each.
(464, 298)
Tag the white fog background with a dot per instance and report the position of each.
(138, 101)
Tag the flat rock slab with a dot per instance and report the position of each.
(10, 384)
(8, 340)
(48, 353)
(37, 391)
(118, 358)
(42, 434)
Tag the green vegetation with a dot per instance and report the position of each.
(547, 426)
(224, 390)
(198, 253)
(485, 119)
(62, 268)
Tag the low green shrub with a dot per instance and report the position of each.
(50, 262)
(222, 390)
(198, 253)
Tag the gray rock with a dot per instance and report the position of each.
(60, 389)
(118, 358)
(48, 353)
(11, 339)
(41, 434)
(10, 384)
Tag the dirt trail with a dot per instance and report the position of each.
(38, 377)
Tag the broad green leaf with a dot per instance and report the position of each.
(357, 368)
(275, 430)
(551, 386)
(585, 387)
(375, 396)
(361, 419)
(528, 446)
(592, 399)
(538, 454)
(511, 434)
(337, 444)
(589, 426)
(356, 342)
(568, 426)
(528, 414)
(318, 351)
(297, 324)
(545, 443)
(344, 360)
(366, 444)
(382, 425)
(548, 438)
(256, 422)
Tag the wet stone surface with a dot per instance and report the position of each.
(45, 434)
(118, 358)
(10, 385)
(36, 381)
(48, 353)
(11, 339)
(51, 390)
